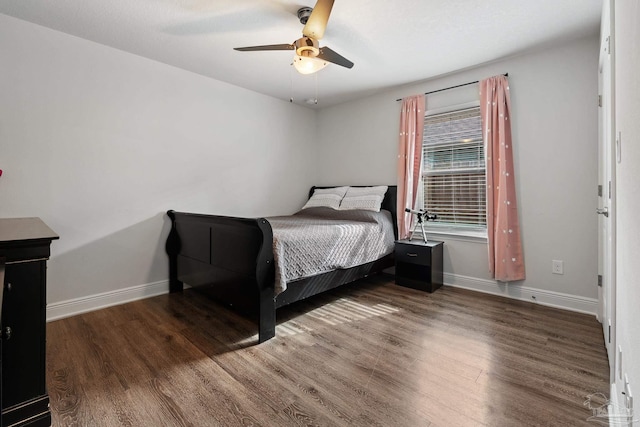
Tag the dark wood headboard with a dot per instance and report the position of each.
(389, 203)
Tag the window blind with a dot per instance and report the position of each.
(453, 172)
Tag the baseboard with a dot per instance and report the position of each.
(617, 412)
(60, 310)
(523, 293)
(614, 404)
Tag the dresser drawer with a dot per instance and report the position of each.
(414, 254)
(23, 349)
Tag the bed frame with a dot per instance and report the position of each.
(231, 259)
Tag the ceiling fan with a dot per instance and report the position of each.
(310, 57)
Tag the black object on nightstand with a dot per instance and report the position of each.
(419, 264)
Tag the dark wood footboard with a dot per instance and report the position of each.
(231, 257)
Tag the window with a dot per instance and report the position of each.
(453, 171)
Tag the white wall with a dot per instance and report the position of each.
(554, 93)
(627, 122)
(99, 143)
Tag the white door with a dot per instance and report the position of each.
(606, 187)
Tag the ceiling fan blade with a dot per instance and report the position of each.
(266, 47)
(317, 22)
(331, 56)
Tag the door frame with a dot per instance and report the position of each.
(606, 178)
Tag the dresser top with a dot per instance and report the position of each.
(20, 229)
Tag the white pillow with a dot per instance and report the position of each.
(326, 197)
(365, 198)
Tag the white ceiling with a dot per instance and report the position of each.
(390, 42)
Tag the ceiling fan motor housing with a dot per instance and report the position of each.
(303, 14)
(306, 46)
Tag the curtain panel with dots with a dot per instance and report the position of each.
(506, 261)
(409, 159)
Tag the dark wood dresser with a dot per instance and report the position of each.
(24, 250)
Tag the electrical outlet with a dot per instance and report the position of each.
(557, 267)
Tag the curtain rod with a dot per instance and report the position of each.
(453, 87)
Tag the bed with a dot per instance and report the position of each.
(238, 261)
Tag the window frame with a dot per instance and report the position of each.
(465, 233)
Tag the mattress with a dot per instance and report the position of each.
(319, 240)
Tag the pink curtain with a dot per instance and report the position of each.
(409, 159)
(506, 262)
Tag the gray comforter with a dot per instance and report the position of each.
(318, 240)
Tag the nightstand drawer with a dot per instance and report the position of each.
(413, 254)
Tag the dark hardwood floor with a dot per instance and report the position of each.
(370, 354)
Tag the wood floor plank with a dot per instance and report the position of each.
(368, 354)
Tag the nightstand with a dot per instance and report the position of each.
(419, 264)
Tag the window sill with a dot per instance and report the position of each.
(465, 236)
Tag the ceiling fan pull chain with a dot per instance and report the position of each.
(316, 98)
(291, 83)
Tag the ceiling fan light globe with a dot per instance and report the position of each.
(307, 64)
